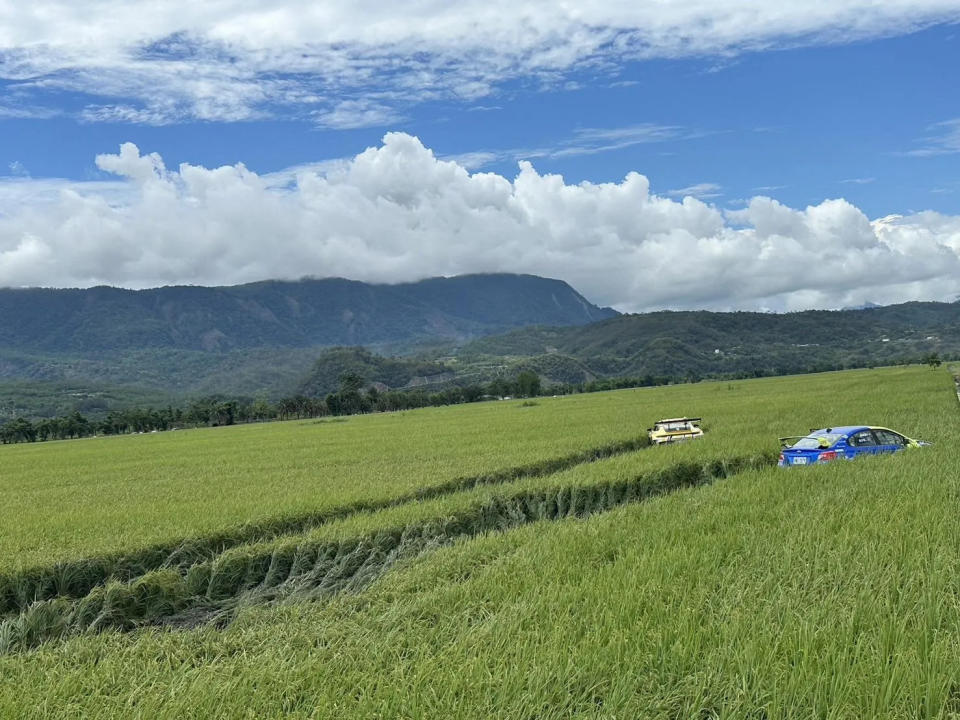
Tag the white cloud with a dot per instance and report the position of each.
(395, 212)
(129, 114)
(590, 141)
(946, 189)
(943, 139)
(234, 60)
(473, 160)
(349, 114)
(703, 191)
(584, 141)
(25, 112)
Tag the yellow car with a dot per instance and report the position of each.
(673, 430)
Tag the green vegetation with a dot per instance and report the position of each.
(207, 582)
(701, 344)
(828, 592)
(712, 602)
(306, 313)
(46, 399)
(248, 340)
(110, 349)
(44, 385)
(326, 374)
(354, 397)
(79, 498)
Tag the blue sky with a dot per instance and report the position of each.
(721, 103)
(800, 125)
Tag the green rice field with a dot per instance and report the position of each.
(501, 560)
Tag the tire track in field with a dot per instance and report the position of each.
(77, 578)
(213, 590)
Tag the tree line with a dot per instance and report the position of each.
(354, 397)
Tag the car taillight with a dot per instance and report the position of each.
(827, 456)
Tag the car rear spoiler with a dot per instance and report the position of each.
(784, 440)
(823, 442)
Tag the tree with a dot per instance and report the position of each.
(933, 360)
(76, 425)
(287, 407)
(351, 382)
(19, 430)
(472, 393)
(225, 413)
(261, 410)
(501, 387)
(528, 384)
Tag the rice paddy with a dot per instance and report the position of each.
(567, 571)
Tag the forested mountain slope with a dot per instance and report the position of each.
(715, 343)
(306, 313)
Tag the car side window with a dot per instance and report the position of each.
(864, 438)
(887, 437)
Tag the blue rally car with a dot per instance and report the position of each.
(828, 444)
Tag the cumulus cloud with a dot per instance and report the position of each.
(231, 60)
(396, 212)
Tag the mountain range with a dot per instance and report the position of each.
(104, 347)
(725, 344)
(88, 349)
(305, 313)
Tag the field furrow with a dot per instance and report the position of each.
(316, 565)
(74, 579)
(775, 593)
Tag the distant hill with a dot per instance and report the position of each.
(78, 347)
(324, 376)
(104, 348)
(275, 314)
(670, 346)
(391, 373)
(706, 344)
